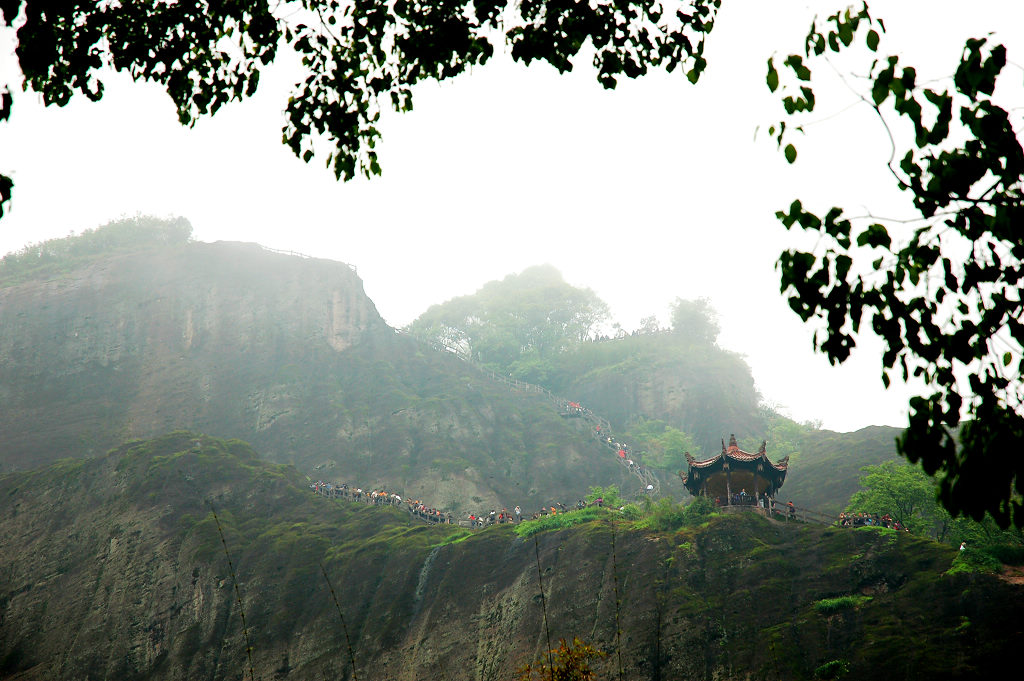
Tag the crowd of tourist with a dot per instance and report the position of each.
(417, 508)
(436, 516)
(480, 520)
(622, 451)
(485, 518)
(382, 498)
(741, 498)
(862, 519)
(769, 505)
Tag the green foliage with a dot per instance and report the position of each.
(903, 491)
(668, 516)
(456, 538)
(830, 463)
(565, 663)
(357, 58)
(828, 606)
(718, 383)
(973, 560)
(559, 521)
(632, 512)
(944, 297)
(698, 510)
(695, 320)
(509, 326)
(515, 325)
(783, 435)
(1007, 553)
(909, 495)
(665, 515)
(609, 495)
(119, 236)
(832, 670)
(661, 445)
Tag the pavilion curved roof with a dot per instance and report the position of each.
(734, 453)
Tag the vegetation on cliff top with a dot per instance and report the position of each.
(535, 327)
(907, 494)
(127, 235)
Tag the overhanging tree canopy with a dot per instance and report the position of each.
(359, 55)
(944, 295)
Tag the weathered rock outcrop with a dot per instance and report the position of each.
(135, 344)
(700, 388)
(114, 568)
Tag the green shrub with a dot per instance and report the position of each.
(57, 256)
(974, 560)
(698, 510)
(827, 606)
(832, 670)
(529, 528)
(609, 494)
(632, 512)
(1006, 553)
(666, 515)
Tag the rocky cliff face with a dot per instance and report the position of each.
(285, 352)
(114, 568)
(134, 344)
(697, 387)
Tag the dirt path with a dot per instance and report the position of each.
(1014, 574)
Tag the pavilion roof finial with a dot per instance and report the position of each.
(752, 470)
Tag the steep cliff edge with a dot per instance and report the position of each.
(133, 344)
(114, 568)
(282, 351)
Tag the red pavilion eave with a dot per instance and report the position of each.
(735, 472)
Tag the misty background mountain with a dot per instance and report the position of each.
(132, 330)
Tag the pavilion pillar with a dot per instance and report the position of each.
(728, 487)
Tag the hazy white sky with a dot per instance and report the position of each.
(652, 191)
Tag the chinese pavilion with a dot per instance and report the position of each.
(735, 476)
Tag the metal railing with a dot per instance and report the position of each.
(303, 255)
